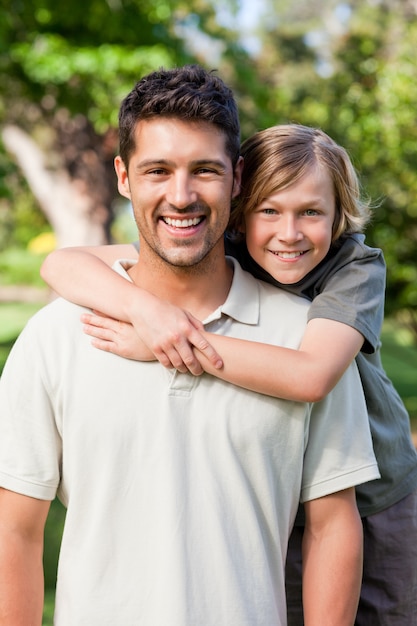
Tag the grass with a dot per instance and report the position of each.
(399, 357)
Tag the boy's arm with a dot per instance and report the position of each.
(307, 374)
(22, 523)
(332, 560)
(83, 275)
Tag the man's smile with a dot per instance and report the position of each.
(182, 223)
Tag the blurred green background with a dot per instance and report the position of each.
(347, 67)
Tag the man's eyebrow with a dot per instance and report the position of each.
(215, 162)
(153, 163)
(166, 162)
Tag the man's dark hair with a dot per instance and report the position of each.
(187, 93)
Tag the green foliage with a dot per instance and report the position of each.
(20, 267)
(85, 73)
(399, 357)
(380, 78)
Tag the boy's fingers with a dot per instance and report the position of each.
(185, 360)
(179, 357)
(207, 349)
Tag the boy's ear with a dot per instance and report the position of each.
(122, 177)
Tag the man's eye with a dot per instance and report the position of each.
(205, 170)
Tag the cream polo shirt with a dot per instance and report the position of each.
(181, 491)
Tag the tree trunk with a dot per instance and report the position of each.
(77, 216)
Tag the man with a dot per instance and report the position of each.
(180, 490)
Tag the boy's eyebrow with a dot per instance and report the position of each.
(314, 200)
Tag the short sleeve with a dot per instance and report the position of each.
(30, 446)
(354, 294)
(339, 453)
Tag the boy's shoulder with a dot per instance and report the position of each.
(353, 247)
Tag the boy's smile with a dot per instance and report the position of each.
(290, 232)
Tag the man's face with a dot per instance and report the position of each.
(180, 181)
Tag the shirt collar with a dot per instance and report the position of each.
(242, 302)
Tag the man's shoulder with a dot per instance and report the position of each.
(57, 314)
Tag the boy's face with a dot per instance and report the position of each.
(291, 231)
(180, 181)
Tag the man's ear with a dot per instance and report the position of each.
(122, 177)
(237, 177)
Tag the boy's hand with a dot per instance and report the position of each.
(172, 334)
(174, 347)
(171, 344)
(113, 336)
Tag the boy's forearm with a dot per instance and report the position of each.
(332, 571)
(88, 281)
(305, 375)
(254, 366)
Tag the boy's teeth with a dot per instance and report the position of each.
(289, 255)
(182, 223)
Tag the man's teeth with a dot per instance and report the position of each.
(182, 223)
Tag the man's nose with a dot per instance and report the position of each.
(181, 192)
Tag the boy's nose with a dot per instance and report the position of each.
(289, 230)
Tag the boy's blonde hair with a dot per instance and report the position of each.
(279, 156)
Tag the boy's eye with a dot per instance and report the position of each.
(311, 212)
(269, 211)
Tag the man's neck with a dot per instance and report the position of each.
(199, 289)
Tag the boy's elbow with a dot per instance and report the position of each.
(44, 270)
(49, 267)
(317, 390)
